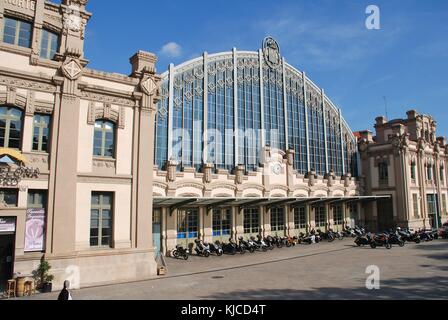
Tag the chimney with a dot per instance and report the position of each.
(412, 114)
(143, 62)
(366, 135)
(380, 121)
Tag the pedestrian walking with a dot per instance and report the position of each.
(65, 294)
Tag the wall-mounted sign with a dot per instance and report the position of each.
(34, 230)
(11, 177)
(7, 225)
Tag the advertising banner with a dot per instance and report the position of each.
(34, 230)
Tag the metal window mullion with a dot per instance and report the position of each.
(235, 104)
(324, 119)
(285, 104)
(170, 111)
(342, 143)
(262, 120)
(16, 40)
(305, 102)
(205, 114)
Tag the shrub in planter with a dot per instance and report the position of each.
(43, 277)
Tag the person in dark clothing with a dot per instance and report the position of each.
(65, 293)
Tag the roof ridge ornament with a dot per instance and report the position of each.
(271, 53)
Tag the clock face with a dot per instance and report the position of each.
(277, 169)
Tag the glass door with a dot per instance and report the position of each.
(222, 225)
(187, 227)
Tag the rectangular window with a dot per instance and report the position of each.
(383, 172)
(321, 217)
(49, 44)
(187, 224)
(277, 219)
(442, 174)
(9, 197)
(222, 222)
(338, 215)
(416, 206)
(444, 208)
(37, 199)
(251, 221)
(413, 172)
(17, 32)
(41, 133)
(300, 218)
(101, 219)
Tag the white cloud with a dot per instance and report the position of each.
(171, 50)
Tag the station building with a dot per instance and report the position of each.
(101, 172)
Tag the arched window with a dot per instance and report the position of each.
(10, 127)
(104, 139)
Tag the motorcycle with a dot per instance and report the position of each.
(268, 242)
(180, 252)
(307, 239)
(258, 245)
(245, 245)
(408, 236)
(380, 240)
(202, 249)
(349, 232)
(394, 238)
(363, 240)
(216, 248)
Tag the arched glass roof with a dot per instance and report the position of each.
(224, 108)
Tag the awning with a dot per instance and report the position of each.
(187, 202)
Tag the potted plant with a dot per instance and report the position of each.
(44, 278)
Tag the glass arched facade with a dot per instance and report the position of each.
(224, 108)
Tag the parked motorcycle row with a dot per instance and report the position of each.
(257, 244)
(398, 237)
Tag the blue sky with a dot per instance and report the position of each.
(405, 61)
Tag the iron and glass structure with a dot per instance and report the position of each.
(224, 108)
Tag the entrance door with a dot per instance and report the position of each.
(222, 224)
(157, 230)
(433, 210)
(187, 227)
(385, 211)
(6, 259)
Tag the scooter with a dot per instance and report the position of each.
(394, 238)
(246, 245)
(180, 252)
(202, 249)
(266, 242)
(216, 248)
(380, 240)
(257, 245)
(363, 240)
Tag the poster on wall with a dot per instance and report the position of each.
(34, 230)
(7, 225)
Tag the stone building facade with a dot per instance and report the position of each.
(407, 161)
(86, 133)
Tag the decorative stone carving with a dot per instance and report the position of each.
(91, 113)
(312, 178)
(208, 174)
(148, 85)
(11, 95)
(122, 118)
(25, 84)
(72, 69)
(347, 179)
(239, 174)
(290, 157)
(171, 170)
(271, 52)
(30, 104)
(330, 177)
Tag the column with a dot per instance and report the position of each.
(205, 98)
(325, 130)
(285, 104)
(263, 125)
(305, 102)
(170, 112)
(235, 105)
(343, 146)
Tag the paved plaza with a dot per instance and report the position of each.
(325, 271)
